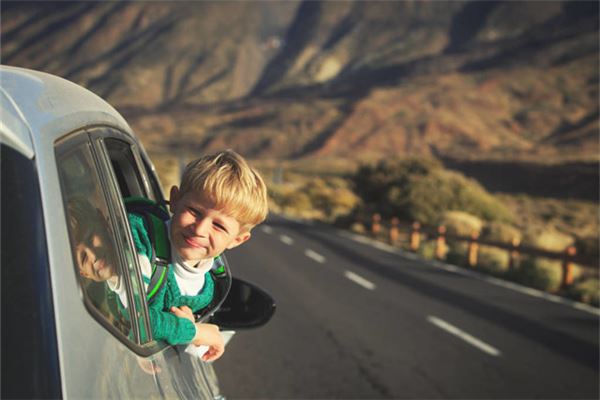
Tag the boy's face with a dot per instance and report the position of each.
(198, 230)
(93, 261)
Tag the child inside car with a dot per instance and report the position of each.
(220, 199)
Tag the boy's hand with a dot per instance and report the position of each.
(183, 312)
(209, 335)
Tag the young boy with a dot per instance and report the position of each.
(220, 199)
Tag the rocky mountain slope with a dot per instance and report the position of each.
(460, 80)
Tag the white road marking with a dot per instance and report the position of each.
(359, 280)
(486, 348)
(314, 255)
(286, 239)
(267, 229)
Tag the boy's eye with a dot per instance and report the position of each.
(220, 227)
(194, 212)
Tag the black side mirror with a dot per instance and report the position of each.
(246, 306)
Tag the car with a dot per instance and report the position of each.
(63, 335)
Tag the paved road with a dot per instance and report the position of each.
(357, 321)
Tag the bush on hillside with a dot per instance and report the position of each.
(422, 190)
(586, 290)
(541, 273)
(501, 232)
(296, 201)
(330, 197)
(460, 223)
(457, 253)
(317, 198)
(493, 260)
(547, 238)
(529, 274)
(427, 250)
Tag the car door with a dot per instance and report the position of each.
(176, 373)
(101, 341)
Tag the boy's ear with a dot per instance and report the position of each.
(241, 238)
(174, 196)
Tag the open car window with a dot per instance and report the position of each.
(135, 177)
(93, 234)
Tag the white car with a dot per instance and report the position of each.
(63, 335)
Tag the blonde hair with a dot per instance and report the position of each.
(235, 188)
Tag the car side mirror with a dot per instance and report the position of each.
(246, 306)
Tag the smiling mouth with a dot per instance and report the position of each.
(99, 264)
(191, 243)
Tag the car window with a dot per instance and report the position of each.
(125, 162)
(125, 168)
(92, 236)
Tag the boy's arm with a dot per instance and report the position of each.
(206, 335)
(167, 326)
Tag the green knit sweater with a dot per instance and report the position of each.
(165, 325)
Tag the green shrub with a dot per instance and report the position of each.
(457, 253)
(586, 290)
(422, 190)
(358, 228)
(547, 239)
(529, 274)
(493, 260)
(541, 273)
(501, 232)
(331, 197)
(460, 223)
(427, 250)
(296, 201)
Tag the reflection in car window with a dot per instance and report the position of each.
(92, 238)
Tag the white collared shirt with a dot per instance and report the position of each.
(189, 275)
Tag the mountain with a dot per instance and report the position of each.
(458, 80)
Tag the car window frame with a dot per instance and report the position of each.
(63, 146)
(152, 176)
(99, 135)
(93, 137)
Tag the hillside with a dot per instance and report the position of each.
(498, 81)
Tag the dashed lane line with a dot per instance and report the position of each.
(474, 274)
(314, 255)
(267, 229)
(359, 280)
(286, 239)
(472, 340)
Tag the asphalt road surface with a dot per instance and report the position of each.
(357, 320)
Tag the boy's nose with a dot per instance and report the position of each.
(201, 227)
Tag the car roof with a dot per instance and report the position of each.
(35, 105)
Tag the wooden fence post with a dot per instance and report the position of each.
(415, 236)
(394, 231)
(513, 254)
(567, 267)
(473, 250)
(440, 243)
(376, 224)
